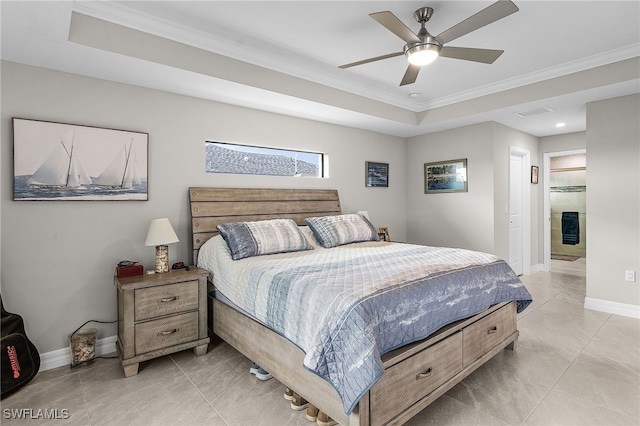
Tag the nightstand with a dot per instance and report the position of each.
(160, 314)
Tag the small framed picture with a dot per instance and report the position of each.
(383, 233)
(445, 176)
(534, 174)
(376, 174)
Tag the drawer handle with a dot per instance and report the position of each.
(168, 332)
(493, 330)
(424, 375)
(168, 299)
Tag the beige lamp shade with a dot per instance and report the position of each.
(160, 233)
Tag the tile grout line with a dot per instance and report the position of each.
(576, 358)
(552, 387)
(198, 390)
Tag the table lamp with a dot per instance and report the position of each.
(160, 235)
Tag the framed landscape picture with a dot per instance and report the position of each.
(376, 174)
(445, 176)
(58, 161)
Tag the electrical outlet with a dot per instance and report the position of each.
(630, 276)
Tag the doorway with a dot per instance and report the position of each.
(564, 206)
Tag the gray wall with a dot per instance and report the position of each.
(445, 219)
(559, 143)
(475, 219)
(59, 256)
(613, 202)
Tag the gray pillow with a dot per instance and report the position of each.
(331, 231)
(247, 239)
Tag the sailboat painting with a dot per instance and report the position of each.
(122, 172)
(57, 161)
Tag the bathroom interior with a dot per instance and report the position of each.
(568, 201)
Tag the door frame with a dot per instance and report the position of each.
(526, 205)
(546, 204)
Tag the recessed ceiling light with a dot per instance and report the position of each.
(561, 124)
(414, 95)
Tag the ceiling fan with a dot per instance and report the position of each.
(423, 48)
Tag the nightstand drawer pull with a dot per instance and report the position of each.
(168, 332)
(168, 299)
(424, 375)
(493, 330)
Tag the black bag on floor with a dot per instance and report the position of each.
(19, 358)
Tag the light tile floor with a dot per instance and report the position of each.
(571, 367)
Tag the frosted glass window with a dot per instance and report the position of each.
(222, 157)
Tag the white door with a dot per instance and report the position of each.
(516, 201)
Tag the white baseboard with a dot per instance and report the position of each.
(62, 357)
(610, 307)
(536, 268)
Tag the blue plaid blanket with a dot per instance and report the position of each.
(346, 306)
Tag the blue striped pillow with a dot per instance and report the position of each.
(331, 231)
(247, 239)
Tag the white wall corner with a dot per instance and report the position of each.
(62, 357)
(610, 307)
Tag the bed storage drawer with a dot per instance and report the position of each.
(486, 333)
(165, 332)
(404, 384)
(166, 299)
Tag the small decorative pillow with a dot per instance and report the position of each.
(247, 239)
(331, 231)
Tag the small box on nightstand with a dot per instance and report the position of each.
(129, 271)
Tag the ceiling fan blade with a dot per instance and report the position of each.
(366, 61)
(486, 56)
(496, 11)
(410, 75)
(393, 24)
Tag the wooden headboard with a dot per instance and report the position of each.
(213, 206)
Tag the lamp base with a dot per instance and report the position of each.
(162, 259)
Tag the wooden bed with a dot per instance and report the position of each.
(415, 375)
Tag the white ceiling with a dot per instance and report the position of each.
(283, 56)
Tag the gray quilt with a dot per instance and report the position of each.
(346, 306)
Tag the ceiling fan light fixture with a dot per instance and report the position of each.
(422, 48)
(422, 54)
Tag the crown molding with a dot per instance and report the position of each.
(266, 55)
(583, 64)
(260, 53)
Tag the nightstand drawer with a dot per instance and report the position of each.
(165, 332)
(159, 314)
(168, 299)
